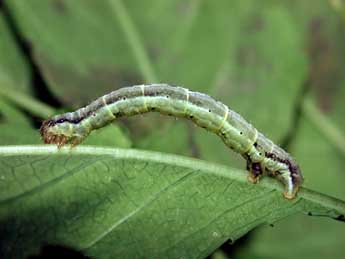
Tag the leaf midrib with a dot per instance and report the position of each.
(192, 163)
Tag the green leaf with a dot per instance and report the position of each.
(220, 49)
(319, 144)
(14, 72)
(113, 203)
(111, 135)
(322, 164)
(78, 46)
(15, 127)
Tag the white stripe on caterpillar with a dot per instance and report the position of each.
(262, 154)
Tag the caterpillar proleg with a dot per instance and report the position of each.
(261, 154)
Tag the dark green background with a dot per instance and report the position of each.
(263, 59)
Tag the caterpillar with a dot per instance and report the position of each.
(261, 154)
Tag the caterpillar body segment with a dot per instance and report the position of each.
(261, 154)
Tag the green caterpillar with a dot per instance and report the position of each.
(261, 154)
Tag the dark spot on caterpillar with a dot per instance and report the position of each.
(270, 155)
(256, 169)
(148, 93)
(61, 120)
(277, 159)
(260, 154)
(294, 170)
(118, 114)
(310, 214)
(114, 98)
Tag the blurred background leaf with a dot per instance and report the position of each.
(14, 70)
(83, 52)
(15, 83)
(15, 127)
(321, 160)
(260, 58)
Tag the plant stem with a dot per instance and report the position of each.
(134, 41)
(325, 125)
(32, 105)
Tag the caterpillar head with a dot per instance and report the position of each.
(60, 132)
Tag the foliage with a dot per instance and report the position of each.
(278, 63)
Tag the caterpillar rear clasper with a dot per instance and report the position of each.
(261, 154)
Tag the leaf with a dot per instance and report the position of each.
(111, 135)
(15, 127)
(220, 49)
(322, 164)
(14, 72)
(78, 47)
(113, 203)
(318, 145)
